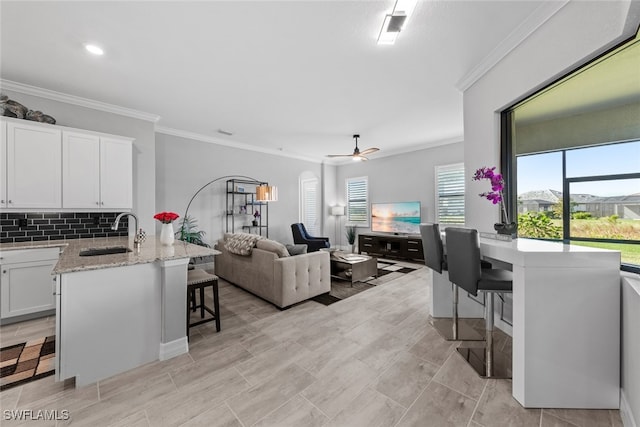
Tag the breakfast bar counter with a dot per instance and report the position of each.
(566, 321)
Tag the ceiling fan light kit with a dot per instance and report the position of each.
(357, 155)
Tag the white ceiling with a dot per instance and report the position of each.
(296, 76)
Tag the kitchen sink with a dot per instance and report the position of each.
(104, 251)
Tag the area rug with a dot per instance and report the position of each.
(27, 361)
(341, 289)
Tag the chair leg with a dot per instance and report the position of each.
(487, 362)
(216, 304)
(454, 316)
(452, 329)
(202, 302)
(488, 326)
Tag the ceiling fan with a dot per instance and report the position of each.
(357, 154)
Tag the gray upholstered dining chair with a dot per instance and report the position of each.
(451, 329)
(463, 259)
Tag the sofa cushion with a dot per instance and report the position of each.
(241, 243)
(272, 246)
(298, 249)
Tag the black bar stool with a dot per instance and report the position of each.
(198, 279)
(449, 328)
(463, 257)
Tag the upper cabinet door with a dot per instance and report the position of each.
(34, 166)
(80, 170)
(3, 165)
(116, 173)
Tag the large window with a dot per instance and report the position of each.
(450, 194)
(571, 153)
(357, 190)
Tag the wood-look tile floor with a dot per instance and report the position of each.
(369, 360)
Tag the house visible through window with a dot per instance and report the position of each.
(593, 201)
(309, 205)
(358, 201)
(450, 194)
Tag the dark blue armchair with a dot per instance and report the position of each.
(301, 236)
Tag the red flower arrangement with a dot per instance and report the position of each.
(166, 217)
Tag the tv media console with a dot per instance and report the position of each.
(395, 246)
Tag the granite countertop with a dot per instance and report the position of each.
(150, 251)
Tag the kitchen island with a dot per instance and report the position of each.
(119, 311)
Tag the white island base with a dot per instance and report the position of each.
(115, 319)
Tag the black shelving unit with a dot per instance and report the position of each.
(241, 205)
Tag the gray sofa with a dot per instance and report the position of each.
(272, 274)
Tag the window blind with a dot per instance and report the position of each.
(357, 201)
(450, 187)
(309, 205)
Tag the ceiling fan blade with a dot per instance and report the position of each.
(369, 151)
(339, 155)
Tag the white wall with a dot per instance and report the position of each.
(144, 162)
(630, 364)
(184, 165)
(402, 177)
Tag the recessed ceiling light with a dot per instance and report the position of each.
(92, 48)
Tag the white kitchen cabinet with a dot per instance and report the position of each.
(47, 167)
(34, 167)
(80, 170)
(97, 171)
(26, 283)
(116, 173)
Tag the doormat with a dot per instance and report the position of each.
(341, 289)
(27, 361)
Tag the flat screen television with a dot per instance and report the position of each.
(398, 217)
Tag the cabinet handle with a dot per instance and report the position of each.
(102, 203)
(4, 271)
(10, 201)
(98, 203)
(2, 201)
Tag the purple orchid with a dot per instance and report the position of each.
(497, 186)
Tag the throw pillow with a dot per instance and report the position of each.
(272, 246)
(297, 249)
(241, 243)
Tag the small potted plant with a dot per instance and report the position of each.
(351, 237)
(256, 217)
(496, 196)
(189, 232)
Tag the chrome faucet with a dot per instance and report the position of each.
(136, 241)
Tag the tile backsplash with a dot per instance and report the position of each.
(32, 227)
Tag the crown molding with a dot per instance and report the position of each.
(534, 21)
(76, 100)
(233, 144)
